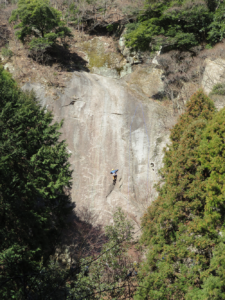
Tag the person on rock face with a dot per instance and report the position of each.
(113, 172)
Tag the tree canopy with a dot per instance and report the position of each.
(177, 24)
(211, 154)
(39, 23)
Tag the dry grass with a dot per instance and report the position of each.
(184, 70)
(55, 74)
(5, 30)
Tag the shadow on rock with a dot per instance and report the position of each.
(111, 188)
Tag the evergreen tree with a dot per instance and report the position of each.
(41, 22)
(212, 152)
(35, 179)
(175, 231)
(217, 27)
(212, 157)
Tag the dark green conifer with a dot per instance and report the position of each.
(212, 158)
(35, 179)
(179, 245)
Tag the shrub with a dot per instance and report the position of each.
(218, 89)
(6, 52)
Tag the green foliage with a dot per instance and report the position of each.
(112, 27)
(35, 179)
(208, 46)
(40, 44)
(39, 20)
(212, 158)
(25, 278)
(177, 231)
(218, 89)
(179, 24)
(109, 273)
(199, 107)
(6, 52)
(211, 153)
(217, 27)
(213, 286)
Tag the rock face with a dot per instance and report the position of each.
(112, 123)
(148, 79)
(110, 126)
(214, 73)
(104, 60)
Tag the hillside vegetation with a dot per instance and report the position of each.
(184, 227)
(177, 24)
(183, 231)
(36, 212)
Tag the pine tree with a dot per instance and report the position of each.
(35, 179)
(179, 244)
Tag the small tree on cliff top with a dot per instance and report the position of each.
(41, 22)
(175, 230)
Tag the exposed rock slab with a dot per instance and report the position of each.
(148, 79)
(110, 126)
(214, 73)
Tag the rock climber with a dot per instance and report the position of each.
(113, 172)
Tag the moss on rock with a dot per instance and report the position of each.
(98, 56)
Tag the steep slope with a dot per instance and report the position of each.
(109, 126)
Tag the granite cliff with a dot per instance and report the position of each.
(109, 125)
(118, 108)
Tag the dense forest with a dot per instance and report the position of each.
(183, 236)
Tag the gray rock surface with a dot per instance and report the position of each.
(110, 126)
(148, 79)
(9, 67)
(214, 73)
(106, 72)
